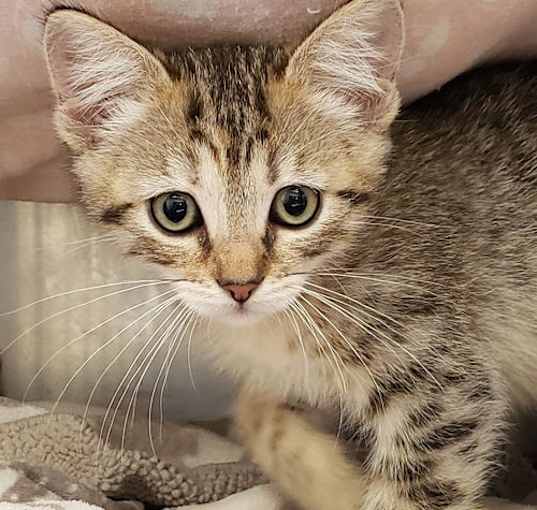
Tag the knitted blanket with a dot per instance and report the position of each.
(57, 462)
(57, 459)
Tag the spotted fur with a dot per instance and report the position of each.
(404, 313)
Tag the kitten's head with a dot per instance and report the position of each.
(238, 169)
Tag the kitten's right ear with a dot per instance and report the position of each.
(350, 61)
(99, 75)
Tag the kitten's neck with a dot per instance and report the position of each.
(267, 356)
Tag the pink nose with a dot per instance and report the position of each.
(241, 292)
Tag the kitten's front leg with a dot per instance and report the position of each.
(430, 455)
(308, 465)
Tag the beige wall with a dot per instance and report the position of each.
(38, 258)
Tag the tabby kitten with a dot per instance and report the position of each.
(381, 272)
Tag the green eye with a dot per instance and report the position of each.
(294, 206)
(176, 212)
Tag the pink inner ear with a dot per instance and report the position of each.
(355, 55)
(390, 31)
(93, 66)
(91, 115)
(83, 97)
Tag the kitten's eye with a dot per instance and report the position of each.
(294, 206)
(176, 212)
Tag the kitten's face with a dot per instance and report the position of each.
(224, 167)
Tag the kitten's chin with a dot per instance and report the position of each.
(236, 316)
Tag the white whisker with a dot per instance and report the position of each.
(85, 334)
(344, 338)
(370, 278)
(157, 310)
(342, 272)
(168, 368)
(122, 382)
(144, 367)
(362, 306)
(189, 362)
(183, 320)
(75, 307)
(70, 292)
(364, 326)
(76, 249)
(370, 329)
(401, 220)
(77, 242)
(359, 303)
(100, 349)
(316, 330)
(290, 314)
(90, 239)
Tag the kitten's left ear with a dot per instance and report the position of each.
(98, 74)
(350, 61)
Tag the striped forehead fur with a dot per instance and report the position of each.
(226, 85)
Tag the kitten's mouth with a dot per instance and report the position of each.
(241, 313)
(268, 300)
(231, 312)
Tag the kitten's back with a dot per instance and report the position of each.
(465, 162)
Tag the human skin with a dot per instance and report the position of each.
(443, 39)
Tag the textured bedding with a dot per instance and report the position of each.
(55, 461)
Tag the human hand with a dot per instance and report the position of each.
(443, 39)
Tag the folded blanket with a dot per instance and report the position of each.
(56, 462)
(58, 457)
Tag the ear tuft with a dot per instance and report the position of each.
(96, 72)
(353, 57)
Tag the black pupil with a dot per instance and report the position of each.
(175, 207)
(295, 201)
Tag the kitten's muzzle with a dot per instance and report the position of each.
(240, 292)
